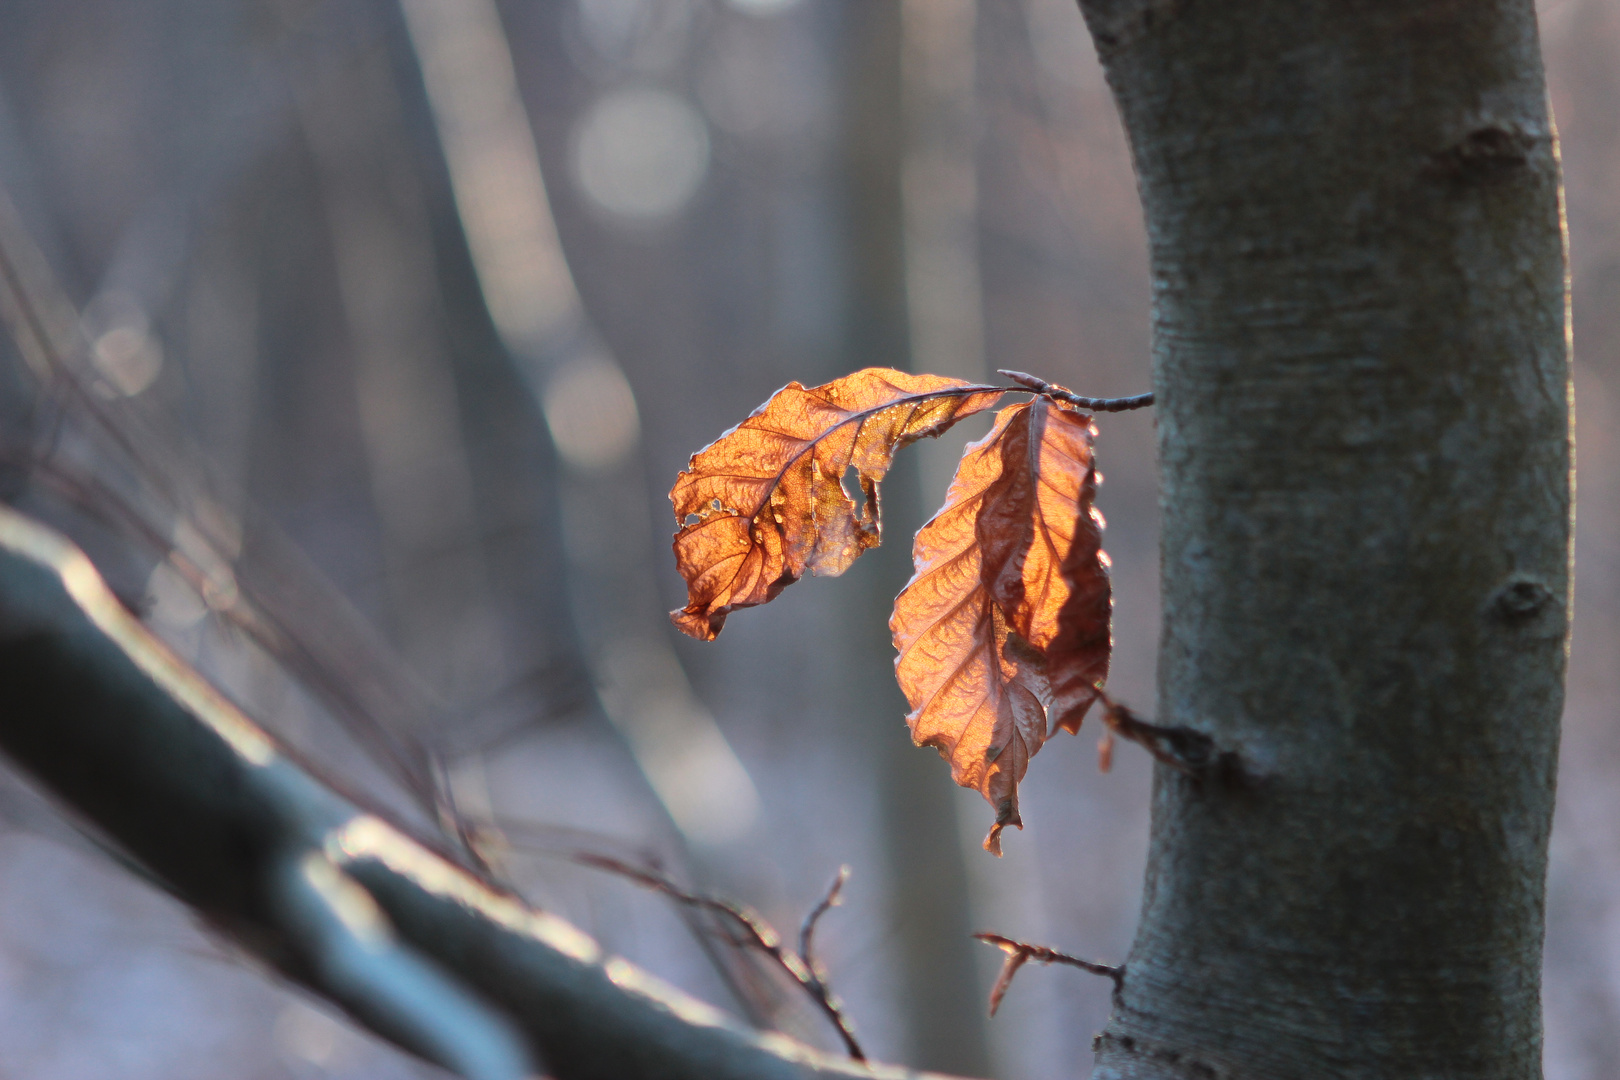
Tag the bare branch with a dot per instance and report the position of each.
(757, 932)
(1090, 404)
(351, 945)
(1020, 953)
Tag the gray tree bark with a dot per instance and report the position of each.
(1361, 361)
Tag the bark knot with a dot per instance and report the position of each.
(1485, 155)
(1520, 599)
(1176, 1062)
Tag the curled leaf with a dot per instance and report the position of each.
(765, 503)
(973, 686)
(1043, 560)
(1029, 529)
(993, 619)
(1077, 658)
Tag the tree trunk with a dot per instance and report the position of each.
(1361, 362)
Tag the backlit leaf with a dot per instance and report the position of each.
(1009, 584)
(972, 698)
(1043, 557)
(766, 503)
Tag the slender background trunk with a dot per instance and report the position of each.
(1362, 367)
(930, 909)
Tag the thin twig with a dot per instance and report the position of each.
(1090, 404)
(546, 840)
(1183, 749)
(1020, 953)
(833, 897)
(757, 932)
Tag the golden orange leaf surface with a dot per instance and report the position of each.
(1043, 557)
(1009, 585)
(765, 503)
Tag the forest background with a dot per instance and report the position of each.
(443, 342)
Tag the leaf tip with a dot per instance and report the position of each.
(697, 624)
(1008, 815)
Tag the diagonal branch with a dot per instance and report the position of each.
(351, 946)
(137, 743)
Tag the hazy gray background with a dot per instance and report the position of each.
(431, 301)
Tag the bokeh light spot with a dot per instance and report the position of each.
(640, 154)
(122, 348)
(591, 412)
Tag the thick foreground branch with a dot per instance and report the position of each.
(413, 945)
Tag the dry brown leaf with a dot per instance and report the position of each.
(991, 615)
(973, 698)
(1028, 531)
(765, 503)
(1043, 557)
